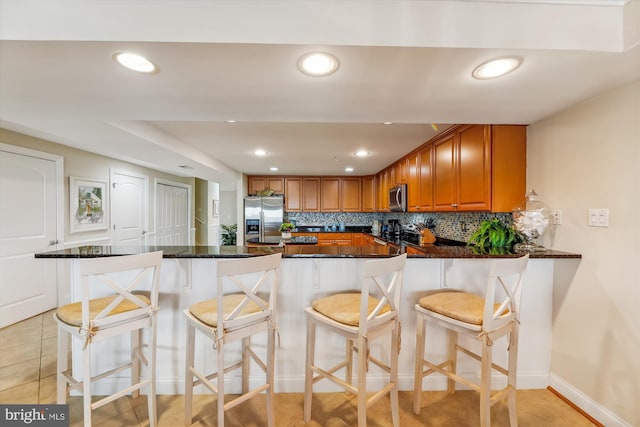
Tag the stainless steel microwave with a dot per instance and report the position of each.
(398, 198)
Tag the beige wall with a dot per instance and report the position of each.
(588, 156)
(88, 165)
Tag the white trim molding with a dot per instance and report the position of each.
(586, 403)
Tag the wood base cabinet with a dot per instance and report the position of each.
(480, 168)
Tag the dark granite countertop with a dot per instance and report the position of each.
(293, 251)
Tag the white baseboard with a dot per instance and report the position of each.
(588, 405)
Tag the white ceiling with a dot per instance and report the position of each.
(408, 62)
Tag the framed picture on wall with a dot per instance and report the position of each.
(88, 207)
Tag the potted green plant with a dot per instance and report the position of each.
(494, 237)
(286, 228)
(229, 233)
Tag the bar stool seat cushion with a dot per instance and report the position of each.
(345, 308)
(462, 306)
(71, 314)
(207, 311)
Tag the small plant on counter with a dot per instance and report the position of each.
(287, 227)
(494, 236)
(229, 233)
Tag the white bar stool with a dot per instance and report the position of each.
(118, 295)
(247, 289)
(483, 318)
(360, 318)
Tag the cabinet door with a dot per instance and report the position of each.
(508, 166)
(382, 181)
(259, 183)
(311, 194)
(330, 195)
(276, 184)
(293, 194)
(444, 182)
(413, 186)
(256, 183)
(357, 239)
(474, 168)
(425, 176)
(368, 194)
(351, 194)
(402, 175)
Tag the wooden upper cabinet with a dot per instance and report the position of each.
(293, 194)
(420, 186)
(509, 165)
(330, 195)
(413, 186)
(351, 197)
(382, 187)
(402, 175)
(311, 194)
(474, 168)
(369, 193)
(480, 168)
(259, 183)
(444, 182)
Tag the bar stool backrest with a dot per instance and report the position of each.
(257, 281)
(504, 292)
(133, 279)
(384, 278)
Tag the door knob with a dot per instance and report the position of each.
(53, 242)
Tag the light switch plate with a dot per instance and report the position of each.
(598, 217)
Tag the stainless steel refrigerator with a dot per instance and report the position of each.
(262, 219)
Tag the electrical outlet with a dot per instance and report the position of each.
(556, 217)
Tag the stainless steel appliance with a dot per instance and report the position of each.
(398, 198)
(262, 218)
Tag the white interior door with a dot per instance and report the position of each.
(172, 214)
(30, 203)
(128, 208)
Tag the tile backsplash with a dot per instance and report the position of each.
(450, 225)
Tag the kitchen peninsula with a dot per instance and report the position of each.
(309, 272)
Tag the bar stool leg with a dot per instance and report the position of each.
(246, 363)
(362, 381)
(485, 384)
(151, 398)
(511, 377)
(417, 374)
(188, 375)
(308, 374)
(349, 368)
(394, 374)
(270, 371)
(86, 385)
(220, 369)
(63, 365)
(135, 361)
(452, 358)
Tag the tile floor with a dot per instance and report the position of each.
(27, 375)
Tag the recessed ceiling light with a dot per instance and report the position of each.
(230, 121)
(318, 64)
(387, 123)
(134, 62)
(496, 68)
(273, 169)
(361, 153)
(260, 152)
(348, 169)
